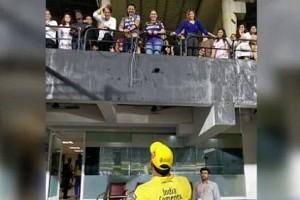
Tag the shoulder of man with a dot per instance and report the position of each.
(182, 180)
(141, 191)
(213, 183)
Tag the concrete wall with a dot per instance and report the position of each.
(177, 80)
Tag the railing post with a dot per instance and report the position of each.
(78, 38)
(185, 44)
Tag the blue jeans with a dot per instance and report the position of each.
(77, 186)
(153, 47)
(128, 46)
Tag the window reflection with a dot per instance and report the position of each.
(130, 161)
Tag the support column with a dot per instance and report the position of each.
(231, 11)
(249, 135)
(105, 2)
(229, 18)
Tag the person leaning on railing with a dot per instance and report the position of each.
(206, 47)
(77, 32)
(153, 34)
(64, 33)
(50, 31)
(243, 49)
(188, 26)
(130, 26)
(221, 45)
(91, 34)
(105, 21)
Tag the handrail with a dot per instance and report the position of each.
(94, 28)
(142, 34)
(231, 46)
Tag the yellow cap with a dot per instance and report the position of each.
(161, 154)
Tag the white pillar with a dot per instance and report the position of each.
(249, 135)
(229, 17)
(105, 2)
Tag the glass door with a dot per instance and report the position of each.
(54, 166)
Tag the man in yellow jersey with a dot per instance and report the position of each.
(163, 185)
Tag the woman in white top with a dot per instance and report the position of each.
(243, 49)
(64, 36)
(222, 45)
(50, 31)
(105, 21)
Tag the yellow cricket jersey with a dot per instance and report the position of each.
(164, 188)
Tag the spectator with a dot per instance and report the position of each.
(253, 42)
(233, 44)
(206, 47)
(91, 33)
(191, 26)
(168, 49)
(130, 26)
(119, 45)
(154, 30)
(64, 33)
(80, 27)
(105, 21)
(66, 177)
(163, 184)
(77, 174)
(221, 45)
(206, 189)
(50, 31)
(243, 49)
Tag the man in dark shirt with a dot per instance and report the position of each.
(91, 35)
(80, 27)
(66, 177)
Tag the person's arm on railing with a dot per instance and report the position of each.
(203, 30)
(179, 28)
(121, 26)
(213, 51)
(136, 23)
(51, 23)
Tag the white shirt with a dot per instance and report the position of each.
(51, 33)
(64, 38)
(222, 44)
(111, 23)
(243, 48)
(208, 191)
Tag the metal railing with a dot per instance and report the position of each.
(119, 40)
(230, 43)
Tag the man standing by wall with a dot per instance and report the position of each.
(206, 189)
(163, 184)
